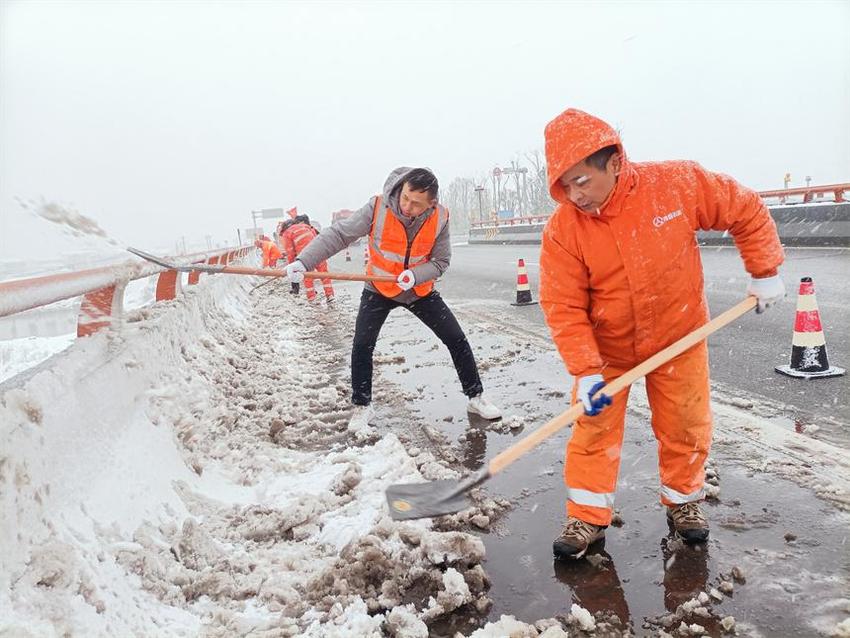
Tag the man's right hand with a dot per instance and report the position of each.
(767, 290)
(587, 387)
(295, 271)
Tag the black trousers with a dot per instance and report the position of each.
(430, 310)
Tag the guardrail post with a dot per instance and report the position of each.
(99, 309)
(167, 285)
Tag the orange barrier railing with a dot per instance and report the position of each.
(102, 288)
(808, 193)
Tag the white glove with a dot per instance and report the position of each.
(768, 291)
(295, 271)
(587, 387)
(406, 280)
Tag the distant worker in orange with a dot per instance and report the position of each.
(281, 226)
(294, 288)
(296, 236)
(620, 279)
(271, 253)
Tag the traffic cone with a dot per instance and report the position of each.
(523, 290)
(347, 255)
(808, 346)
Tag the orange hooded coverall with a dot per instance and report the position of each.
(295, 239)
(619, 285)
(271, 253)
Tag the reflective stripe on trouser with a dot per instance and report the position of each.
(678, 394)
(327, 284)
(677, 498)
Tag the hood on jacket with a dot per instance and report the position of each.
(570, 138)
(392, 185)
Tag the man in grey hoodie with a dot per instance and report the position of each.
(409, 239)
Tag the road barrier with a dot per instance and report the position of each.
(803, 216)
(102, 289)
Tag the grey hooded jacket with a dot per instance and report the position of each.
(336, 237)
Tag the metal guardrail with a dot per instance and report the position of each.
(808, 193)
(102, 288)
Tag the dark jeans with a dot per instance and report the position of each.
(430, 310)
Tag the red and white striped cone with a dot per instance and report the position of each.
(808, 346)
(523, 290)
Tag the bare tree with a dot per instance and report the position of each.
(460, 199)
(538, 185)
(519, 191)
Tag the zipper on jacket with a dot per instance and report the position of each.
(410, 243)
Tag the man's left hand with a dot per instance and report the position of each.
(768, 291)
(406, 280)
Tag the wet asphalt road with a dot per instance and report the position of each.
(744, 354)
(790, 545)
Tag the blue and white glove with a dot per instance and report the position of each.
(587, 387)
(406, 280)
(768, 291)
(295, 271)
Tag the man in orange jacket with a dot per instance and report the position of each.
(621, 279)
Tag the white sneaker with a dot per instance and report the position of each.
(483, 408)
(360, 417)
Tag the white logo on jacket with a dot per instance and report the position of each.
(659, 220)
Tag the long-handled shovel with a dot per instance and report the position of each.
(421, 500)
(265, 283)
(263, 272)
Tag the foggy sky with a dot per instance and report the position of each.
(166, 119)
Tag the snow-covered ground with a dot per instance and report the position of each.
(17, 355)
(192, 474)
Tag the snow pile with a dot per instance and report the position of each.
(583, 617)
(17, 355)
(193, 473)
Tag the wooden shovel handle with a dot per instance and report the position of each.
(348, 276)
(310, 274)
(518, 449)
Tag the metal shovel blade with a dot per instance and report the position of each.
(424, 500)
(159, 261)
(151, 258)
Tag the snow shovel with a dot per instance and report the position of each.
(423, 500)
(265, 283)
(262, 272)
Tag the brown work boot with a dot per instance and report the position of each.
(576, 537)
(689, 522)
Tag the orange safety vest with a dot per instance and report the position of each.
(390, 253)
